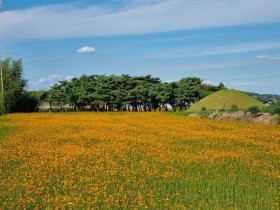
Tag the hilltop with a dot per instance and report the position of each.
(224, 99)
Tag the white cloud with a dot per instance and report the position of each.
(68, 78)
(86, 49)
(169, 80)
(50, 78)
(268, 57)
(264, 57)
(249, 83)
(60, 21)
(53, 79)
(211, 82)
(208, 82)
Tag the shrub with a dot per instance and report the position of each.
(203, 109)
(274, 108)
(254, 110)
(277, 108)
(268, 109)
(234, 108)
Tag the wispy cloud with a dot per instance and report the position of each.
(249, 83)
(240, 48)
(68, 78)
(268, 57)
(211, 82)
(221, 50)
(59, 21)
(202, 66)
(51, 79)
(169, 80)
(86, 49)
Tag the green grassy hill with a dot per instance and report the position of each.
(224, 99)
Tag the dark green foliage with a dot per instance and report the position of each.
(187, 91)
(126, 93)
(204, 94)
(40, 95)
(267, 109)
(254, 110)
(234, 108)
(276, 107)
(265, 98)
(273, 108)
(13, 84)
(203, 109)
(221, 86)
(27, 103)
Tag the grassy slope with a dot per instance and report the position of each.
(224, 99)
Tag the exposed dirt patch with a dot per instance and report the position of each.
(262, 118)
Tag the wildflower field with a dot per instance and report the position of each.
(136, 161)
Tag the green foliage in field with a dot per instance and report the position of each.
(254, 110)
(224, 99)
(234, 108)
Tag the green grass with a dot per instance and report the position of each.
(224, 99)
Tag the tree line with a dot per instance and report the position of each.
(126, 93)
(100, 92)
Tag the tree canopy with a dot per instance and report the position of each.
(16, 98)
(126, 93)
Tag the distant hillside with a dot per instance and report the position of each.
(224, 99)
(264, 98)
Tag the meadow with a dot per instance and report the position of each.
(136, 161)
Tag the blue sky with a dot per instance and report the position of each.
(235, 42)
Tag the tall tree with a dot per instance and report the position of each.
(187, 91)
(57, 95)
(13, 83)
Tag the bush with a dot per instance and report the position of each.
(203, 109)
(274, 108)
(277, 108)
(254, 110)
(268, 109)
(234, 108)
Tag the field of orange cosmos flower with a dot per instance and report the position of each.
(136, 160)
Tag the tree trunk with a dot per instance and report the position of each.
(50, 107)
